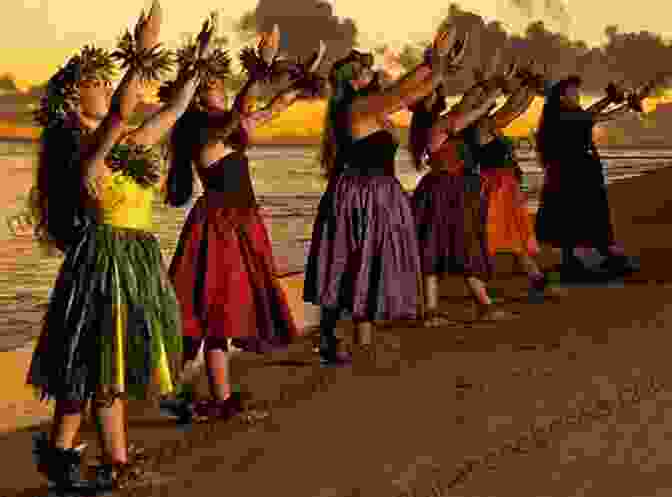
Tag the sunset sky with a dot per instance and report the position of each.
(39, 35)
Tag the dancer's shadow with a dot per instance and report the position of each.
(288, 363)
(42, 491)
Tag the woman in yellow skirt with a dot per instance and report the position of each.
(112, 329)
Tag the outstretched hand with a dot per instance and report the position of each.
(148, 27)
(269, 45)
(444, 41)
(204, 38)
(448, 51)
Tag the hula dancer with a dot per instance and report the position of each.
(509, 226)
(574, 185)
(223, 268)
(448, 203)
(112, 329)
(364, 255)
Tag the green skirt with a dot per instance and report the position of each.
(113, 324)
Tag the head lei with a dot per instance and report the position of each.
(215, 66)
(346, 70)
(151, 63)
(301, 74)
(256, 67)
(342, 72)
(62, 92)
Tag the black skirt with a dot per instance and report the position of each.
(574, 208)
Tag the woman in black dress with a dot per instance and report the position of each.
(574, 211)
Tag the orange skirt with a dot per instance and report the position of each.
(509, 226)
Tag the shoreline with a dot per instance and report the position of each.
(467, 396)
(315, 142)
(604, 150)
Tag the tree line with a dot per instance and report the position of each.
(631, 57)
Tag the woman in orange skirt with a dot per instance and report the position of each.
(509, 226)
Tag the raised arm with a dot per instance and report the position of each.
(124, 100)
(114, 124)
(280, 102)
(615, 95)
(515, 106)
(397, 96)
(241, 115)
(454, 121)
(599, 106)
(154, 128)
(421, 81)
(622, 110)
(303, 80)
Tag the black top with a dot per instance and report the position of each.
(471, 151)
(372, 155)
(496, 153)
(575, 130)
(230, 176)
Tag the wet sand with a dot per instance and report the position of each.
(569, 399)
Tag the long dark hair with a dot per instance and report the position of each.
(547, 138)
(181, 147)
(56, 199)
(421, 124)
(188, 135)
(336, 131)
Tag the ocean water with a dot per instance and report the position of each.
(288, 184)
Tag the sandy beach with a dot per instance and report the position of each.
(569, 399)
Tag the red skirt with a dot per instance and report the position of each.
(225, 278)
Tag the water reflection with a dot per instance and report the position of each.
(288, 184)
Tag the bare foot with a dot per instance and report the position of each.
(556, 291)
(364, 352)
(489, 313)
(435, 319)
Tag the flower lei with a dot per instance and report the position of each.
(255, 66)
(310, 83)
(62, 94)
(140, 163)
(151, 63)
(216, 66)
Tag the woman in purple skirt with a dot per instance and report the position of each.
(364, 256)
(448, 204)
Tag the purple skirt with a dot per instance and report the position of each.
(364, 252)
(451, 226)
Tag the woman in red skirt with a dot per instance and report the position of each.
(223, 269)
(448, 203)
